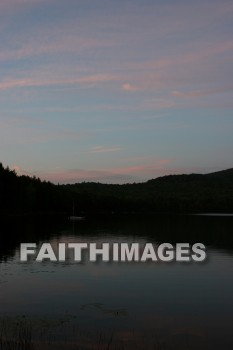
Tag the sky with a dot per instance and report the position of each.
(115, 91)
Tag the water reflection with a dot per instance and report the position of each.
(120, 305)
(213, 231)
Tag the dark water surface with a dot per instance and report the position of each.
(103, 305)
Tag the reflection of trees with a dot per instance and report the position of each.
(212, 231)
(25, 229)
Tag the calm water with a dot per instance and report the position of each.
(120, 305)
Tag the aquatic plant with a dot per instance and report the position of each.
(15, 334)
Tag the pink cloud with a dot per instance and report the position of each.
(66, 45)
(143, 169)
(199, 93)
(80, 175)
(186, 94)
(130, 173)
(129, 87)
(102, 149)
(127, 174)
(20, 171)
(49, 39)
(30, 82)
(167, 72)
(191, 57)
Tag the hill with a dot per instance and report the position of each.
(173, 193)
(211, 192)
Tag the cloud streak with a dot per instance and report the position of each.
(11, 4)
(200, 93)
(66, 45)
(128, 77)
(8, 84)
(102, 149)
(130, 173)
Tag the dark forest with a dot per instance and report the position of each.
(194, 193)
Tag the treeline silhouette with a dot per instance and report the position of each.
(25, 194)
(174, 194)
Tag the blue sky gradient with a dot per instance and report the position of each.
(115, 91)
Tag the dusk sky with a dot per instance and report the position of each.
(116, 91)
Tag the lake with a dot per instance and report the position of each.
(117, 305)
